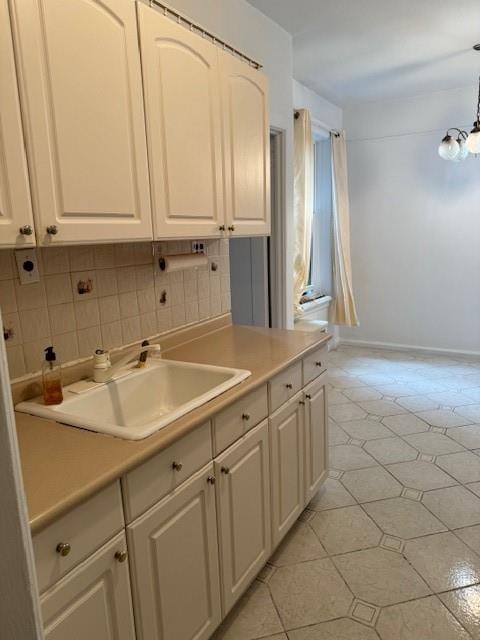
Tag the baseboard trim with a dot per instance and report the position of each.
(392, 346)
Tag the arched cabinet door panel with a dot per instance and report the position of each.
(247, 147)
(182, 102)
(79, 68)
(16, 222)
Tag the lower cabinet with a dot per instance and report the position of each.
(243, 507)
(197, 541)
(174, 561)
(316, 449)
(93, 601)
(287, 468)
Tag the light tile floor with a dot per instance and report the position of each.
(390, 547)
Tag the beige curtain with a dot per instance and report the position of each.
(303, 202)
(342, 310)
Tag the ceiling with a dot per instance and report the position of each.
(352, 51)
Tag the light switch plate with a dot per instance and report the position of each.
(27, 266)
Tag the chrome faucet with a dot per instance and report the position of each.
(104, 370)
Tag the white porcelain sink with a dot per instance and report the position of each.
(141, 402)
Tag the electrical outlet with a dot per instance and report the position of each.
(27, 266)
(198, 246)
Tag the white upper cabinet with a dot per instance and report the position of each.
(182, 103)
(246, 147)
(81, 90)
(16, 222)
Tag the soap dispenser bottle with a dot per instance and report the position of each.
(52, 382)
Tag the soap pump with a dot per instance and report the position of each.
(52, 382)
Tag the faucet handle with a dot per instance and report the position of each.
(101, 359)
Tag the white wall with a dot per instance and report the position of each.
(415, 224)
(252, 32)
(320, 109)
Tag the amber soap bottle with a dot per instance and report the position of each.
(52, 381)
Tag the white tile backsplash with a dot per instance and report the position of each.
(58, 288)
(106, 282)
(8, 300)
(62, 318)
(124, 304)
(56, 260)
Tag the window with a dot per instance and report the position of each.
(320, 277)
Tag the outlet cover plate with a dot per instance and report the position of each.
(27, 266)
(198, 246)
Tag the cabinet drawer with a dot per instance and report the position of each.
(314, 364)
(285, 385)
(84, 529)
(148, 483)
(234, 421)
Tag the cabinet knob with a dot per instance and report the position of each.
(26, 230)
(225, 470)
(308, 396)
(178, 466)
(245, 416)
(221, 227)
(318, 364)
(121, 556)
(289, 385)
(52, 230)
(63, 548)
(231, 227)
(211, 479)
(301, 402)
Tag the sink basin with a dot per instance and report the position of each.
(139, 401)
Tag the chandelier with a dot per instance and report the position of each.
(458, 146)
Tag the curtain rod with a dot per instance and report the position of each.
(188, 24)
(320, 124)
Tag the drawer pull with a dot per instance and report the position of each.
(225, 470)
(63, 548)
(120, 556)
(289, 385)
(308, 396)
(178, 466)
(318, 364)
(211, 479)
(245, 416)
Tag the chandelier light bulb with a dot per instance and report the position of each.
(449, 148)
(473, 140)
(463, 151)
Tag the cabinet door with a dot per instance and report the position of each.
(182, 103)
(247, 148)
(81, 94)
(93, 601)
(174, 555)
(243, 506)
(286, 446)
(15, 207)
(316, 449)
